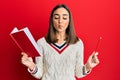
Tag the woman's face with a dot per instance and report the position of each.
(60, 19)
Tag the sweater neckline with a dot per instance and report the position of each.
(59, 49)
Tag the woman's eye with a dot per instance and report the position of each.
(64, 18)
(56, 17)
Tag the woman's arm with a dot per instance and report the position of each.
(36, 69)
(27, 61)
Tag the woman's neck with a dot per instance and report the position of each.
(61, 37)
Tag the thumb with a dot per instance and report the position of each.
(24, 54)
(96, 54)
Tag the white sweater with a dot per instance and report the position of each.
(59, 64)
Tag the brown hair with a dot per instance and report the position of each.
(71, 37)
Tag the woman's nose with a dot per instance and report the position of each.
(60, 20)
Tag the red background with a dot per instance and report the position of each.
(92, 18)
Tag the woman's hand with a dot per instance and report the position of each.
(92, 61)
(27, 61)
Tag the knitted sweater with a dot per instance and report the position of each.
(59, 62)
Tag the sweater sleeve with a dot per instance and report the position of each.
(39, 63)
(79, 68)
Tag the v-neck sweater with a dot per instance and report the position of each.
(59, 65)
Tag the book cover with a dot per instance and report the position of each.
(25, 41)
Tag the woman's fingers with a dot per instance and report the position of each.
(96, 53)
(95, 58)
(24, 58)
(24, 54)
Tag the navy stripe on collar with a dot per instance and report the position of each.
(59, 46)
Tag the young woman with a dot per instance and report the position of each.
(61, 51)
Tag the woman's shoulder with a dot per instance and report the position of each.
(41, 40)
(79, 42)
(78, 45)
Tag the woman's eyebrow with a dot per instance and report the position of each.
(56, 14)
(65, 14)
(62, 14)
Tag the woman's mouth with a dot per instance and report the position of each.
(60, 26)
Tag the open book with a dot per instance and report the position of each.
(25, 41)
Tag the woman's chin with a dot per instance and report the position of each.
(60, 30)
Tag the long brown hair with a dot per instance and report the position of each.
(71, 37)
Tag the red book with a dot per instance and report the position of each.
(25, 41)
